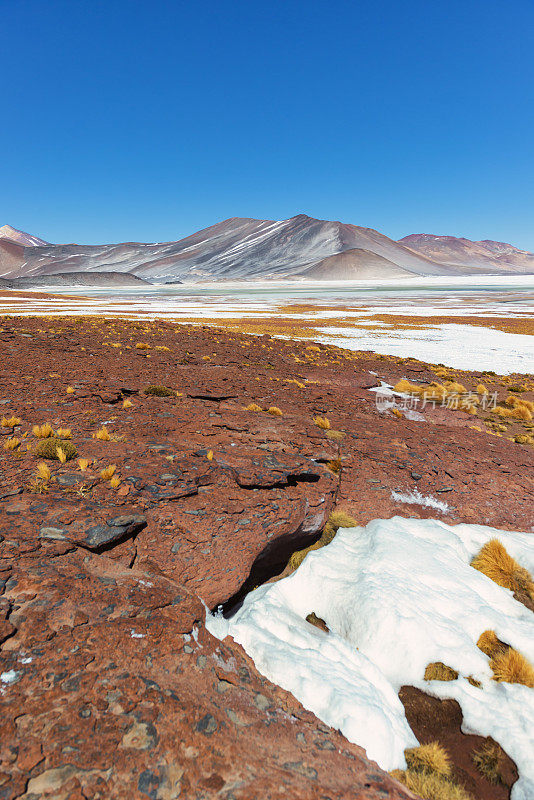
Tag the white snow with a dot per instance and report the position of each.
(11, 676)
(415, 497)
(396, 595)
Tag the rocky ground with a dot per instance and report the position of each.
(110, 684)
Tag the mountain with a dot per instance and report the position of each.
(252, 249)
(467, 253)
(87, 279)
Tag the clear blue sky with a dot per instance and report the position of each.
(129, 120)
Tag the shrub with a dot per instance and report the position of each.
(127, 404)
(70, 390)
(322, 422)
(64, 433)
(115, 482)
(429, 758)
(108, 472)
(252, 407)
(274, 411)
(430, 785)
(494, 561)
(490, 644)
(12, 443)
(511, 666)
(438, 671)
(142, 346)
(10, 422)
(481, 389)
(43, 472)
(160, 391)
(334, 466)
(83, 463)
(490, 760)
(50, 447)
(43, 431)
(103, 434)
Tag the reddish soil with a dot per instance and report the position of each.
(434, 720)
(101, 587)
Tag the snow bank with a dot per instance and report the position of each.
(396, 595)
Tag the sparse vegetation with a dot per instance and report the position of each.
(274, 411)
(10, 422)
(490, 644)
(43, 431)
(511, 666)
(43, 472)
(431, 786)
(160, 391)
(56, 449)
(83, 463)
(490, 761)
(64, 433)
(108, 472)
(252, 407)
(127, 404)
(12, 443)
(438, 671)
(429, 758)
(322, 422)
(115, 482)
(494, 561)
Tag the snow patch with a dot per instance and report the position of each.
(396, 595)
(416, 498)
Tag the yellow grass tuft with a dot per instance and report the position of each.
(70, 390)
(438, 671)
(103, 434)
(511, 666)
(496, 563)
(83, 463)
(127, 404)
(10, 422)
(334, 466)
(429, 758)
(252, 407)
(115, 482)
(490, 644)
(322, 422)
(61, 454)
(405, 387)
(42, 431)
(64, 433)
(43, 471)
(336, 520)
(313, 348)
(108, 472)
(481, 389)
(431, 786)
(209, 455)
(12, 443)
(274, 411)
(490, 760)
(521, 411)
(142, 346)
(334, 435)
(397, 412)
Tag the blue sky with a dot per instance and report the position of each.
(128, 120)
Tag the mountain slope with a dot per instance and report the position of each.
(25, 239)
(467, 253)
(252, 249)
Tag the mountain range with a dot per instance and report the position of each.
(251, 249)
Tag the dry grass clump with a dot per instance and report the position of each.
(511, 666)
(430, 785)
(496, 563)
(209, 455)
(322, 422)
(429, 758)
(56, 449)
(142, 346)
(10, 422)
(334, 466)
(115, 482)
(274, 411)
(313, 348)
(252, 407)
(83, 463)
(127, 404)
(490, 760)
(160, 391)
(43, 431)
(438, 671)
(64, 433)
(70, 390)
(481, 389)
(103, 434)
(334, 435)
(108, 472)
(490, 644)
(12, 443)
(336, 520)
(43, 472)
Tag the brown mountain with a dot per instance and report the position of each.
(466, 253)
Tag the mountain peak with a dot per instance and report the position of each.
(20, 237)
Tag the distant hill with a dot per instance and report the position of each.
(252, 249)
(466, 253)
(86, 279)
